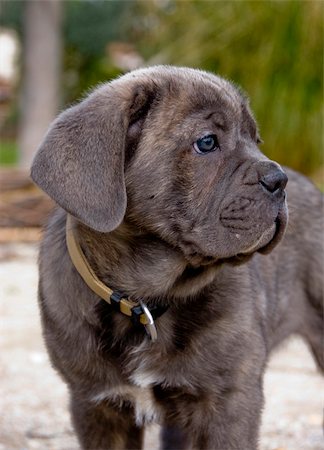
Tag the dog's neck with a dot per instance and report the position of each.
(142, 265)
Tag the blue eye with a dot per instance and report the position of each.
(206, 144)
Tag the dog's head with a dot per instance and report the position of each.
(173, 151)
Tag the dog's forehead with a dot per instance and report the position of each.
(211, 87)
(197, 86)
(203, 91)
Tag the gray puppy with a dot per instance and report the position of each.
(172, 206)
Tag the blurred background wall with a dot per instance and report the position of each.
(53, 52)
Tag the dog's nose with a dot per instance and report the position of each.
(274, 179)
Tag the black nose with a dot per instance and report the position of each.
(274, 180)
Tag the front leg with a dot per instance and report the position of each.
(172, 437)
(229, 421)
(105, 426)
(235, 426)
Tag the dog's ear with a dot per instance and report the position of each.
(80, 163)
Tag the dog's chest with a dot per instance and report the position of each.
(139, 393)
(146, 372)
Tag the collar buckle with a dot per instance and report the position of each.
(150, 327)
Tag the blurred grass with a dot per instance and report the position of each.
(8, 153)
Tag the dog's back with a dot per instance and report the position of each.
(300, 259)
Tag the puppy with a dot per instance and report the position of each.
(175, 274)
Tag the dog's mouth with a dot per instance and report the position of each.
(264, 244)
(278, 232)
(267, 240)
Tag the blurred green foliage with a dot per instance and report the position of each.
(89, 26)
(8, 153)
(272, 49)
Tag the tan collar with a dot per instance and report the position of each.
(137, 311)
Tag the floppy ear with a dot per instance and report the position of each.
(80, 163)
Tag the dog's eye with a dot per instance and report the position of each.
(206, 144)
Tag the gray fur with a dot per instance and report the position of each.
(172, 227)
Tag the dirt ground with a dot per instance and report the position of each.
(33, 399)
